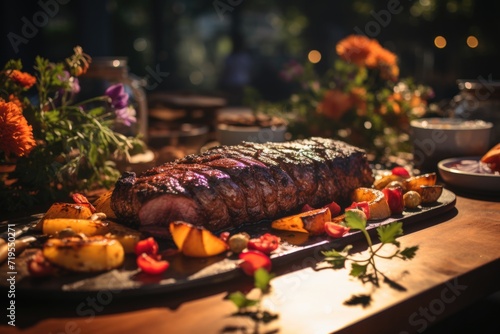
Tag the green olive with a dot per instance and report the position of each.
(238, 242)
(412, 199)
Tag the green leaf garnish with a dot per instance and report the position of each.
(240, 300)
(354, 220)
(358, 270)
(262, 279)
(388, 233)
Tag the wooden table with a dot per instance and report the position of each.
(457, 264)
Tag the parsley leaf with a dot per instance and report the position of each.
(240, 300)
(388, 233)
(354, 220)
(358, 270)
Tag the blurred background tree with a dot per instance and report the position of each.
(438, 41)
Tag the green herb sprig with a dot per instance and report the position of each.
(366, 269)
(252, 308)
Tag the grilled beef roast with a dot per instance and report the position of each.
(232, 185)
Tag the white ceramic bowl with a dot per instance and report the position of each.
(435, 139)
(468, 180)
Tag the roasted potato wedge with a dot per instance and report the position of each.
(195, 241)
(103, 204)
(85, 226)
(414, 182)
(93, 254)
(312, 222)
(66, 210)
(430, 194)
(126, 236)
(385, 180)
(379, 208)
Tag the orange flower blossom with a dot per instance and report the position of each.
(24, 79)
(16, 136)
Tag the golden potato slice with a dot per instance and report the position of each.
(379, 208)
(430, 194)
(66, 210)
(85, 226)
(414, 182)
(93, 254)
(195, 241)
(312, 222)
(385, 180)
(125, 235)
(103, 204)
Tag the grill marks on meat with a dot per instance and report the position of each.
(232, 185)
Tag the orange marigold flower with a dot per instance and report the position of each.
(16, 136)
(24, 79)
(335, 104)
(386, 61)
(358, 49)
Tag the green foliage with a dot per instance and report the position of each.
(251, 308)
(366, 269)
(76, 140)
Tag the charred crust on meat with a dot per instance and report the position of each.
(232, 185)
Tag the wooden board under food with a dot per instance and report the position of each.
(185, 272)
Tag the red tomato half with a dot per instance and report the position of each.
(335, 230)
(150, 265)
(266, 243)
(363, 206)
(253, 260)
(400, 171)
(148, 246)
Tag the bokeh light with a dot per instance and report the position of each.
(440, 42)
(472, 42)
(314, 56)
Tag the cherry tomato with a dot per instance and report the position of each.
(334, 208)
(253, 260)
(394, 197)
(400, 171)
(150, 265)
(335, 230)
(38, 266)
(363, 206)
(148, 246)
(266, 243)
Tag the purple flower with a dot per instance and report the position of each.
(73, 85)
(125, 115)
(118, 96)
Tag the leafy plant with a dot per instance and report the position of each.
(56, 142)
(366, 269)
